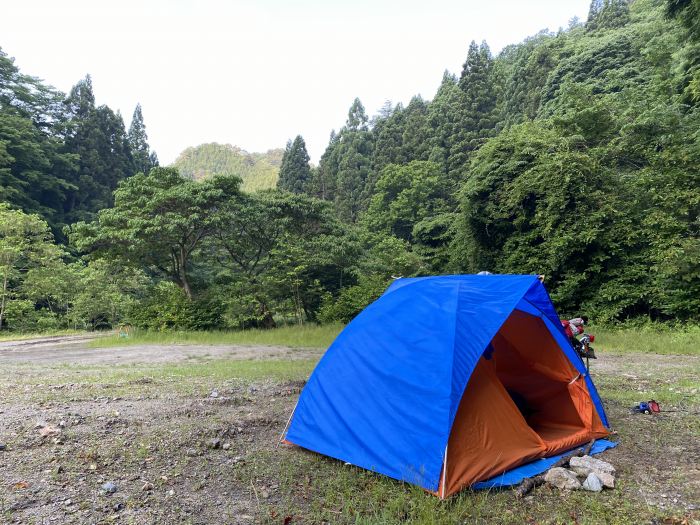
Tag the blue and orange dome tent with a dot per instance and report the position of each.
(452, 381)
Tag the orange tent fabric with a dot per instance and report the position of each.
(524, 401)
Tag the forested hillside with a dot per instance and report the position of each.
(574, 154)
(258, 171)
(61, 156)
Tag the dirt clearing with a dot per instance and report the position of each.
(188, 434)
(75, 350)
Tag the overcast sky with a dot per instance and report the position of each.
(256, 73)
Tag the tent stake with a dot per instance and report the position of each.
(444, 473)
(284, 432)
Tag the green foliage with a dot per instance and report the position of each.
(35, 174)
(552, 209)
(522, 71)
(97, 136)
(476, 108)
(295, 172)
(688, 12)
(416, 203)
(573, 154)
(352, 300)
(157, 222)
(166, 307)
(258, 171)
(401, 135)
(107, 293)
(144, 158)
(280, 252)
(608, 14)
(26, 243)
(61, 156)
(345, 167)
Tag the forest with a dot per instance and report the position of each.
(574, 154)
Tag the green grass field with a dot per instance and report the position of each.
(648, 339)
(293, 336)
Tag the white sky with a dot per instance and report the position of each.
(256, 73)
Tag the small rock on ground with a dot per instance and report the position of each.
(592, 463)
(109, 488)
(593, 483)
(606, 478)
(562, 478)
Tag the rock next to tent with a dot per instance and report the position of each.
(593, 483)
(562, 479)
(606, 478)
(592, 464)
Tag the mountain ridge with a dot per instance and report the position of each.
(258, 171)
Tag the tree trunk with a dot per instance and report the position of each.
(182, 270)
(4, 295)
(2, 303)
(267, 320)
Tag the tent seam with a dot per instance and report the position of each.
(454, 339)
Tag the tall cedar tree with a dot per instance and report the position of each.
(346, 165)
(476, 107)
(144, 158)
(295, 172)
(443, 119)
(98, 136)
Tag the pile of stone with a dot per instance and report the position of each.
(584, 472)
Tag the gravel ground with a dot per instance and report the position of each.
(201, 449)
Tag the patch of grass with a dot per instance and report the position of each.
(316, 489)
(13, 336)
(648, 339)
(157, 379)
(293, 336)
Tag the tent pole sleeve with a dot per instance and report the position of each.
(284, 432)
(444, 474)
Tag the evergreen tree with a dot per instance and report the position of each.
(443, 119)
(144, 159)
(357, 117)
(523, 71)
(476, 107)
(32, 171)
(295, 172)
(323, 178)
(401, 136)
(593, 11)
(388, 131)
(354, 163)
(346, 165)
(98, 136)
(415, 140)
